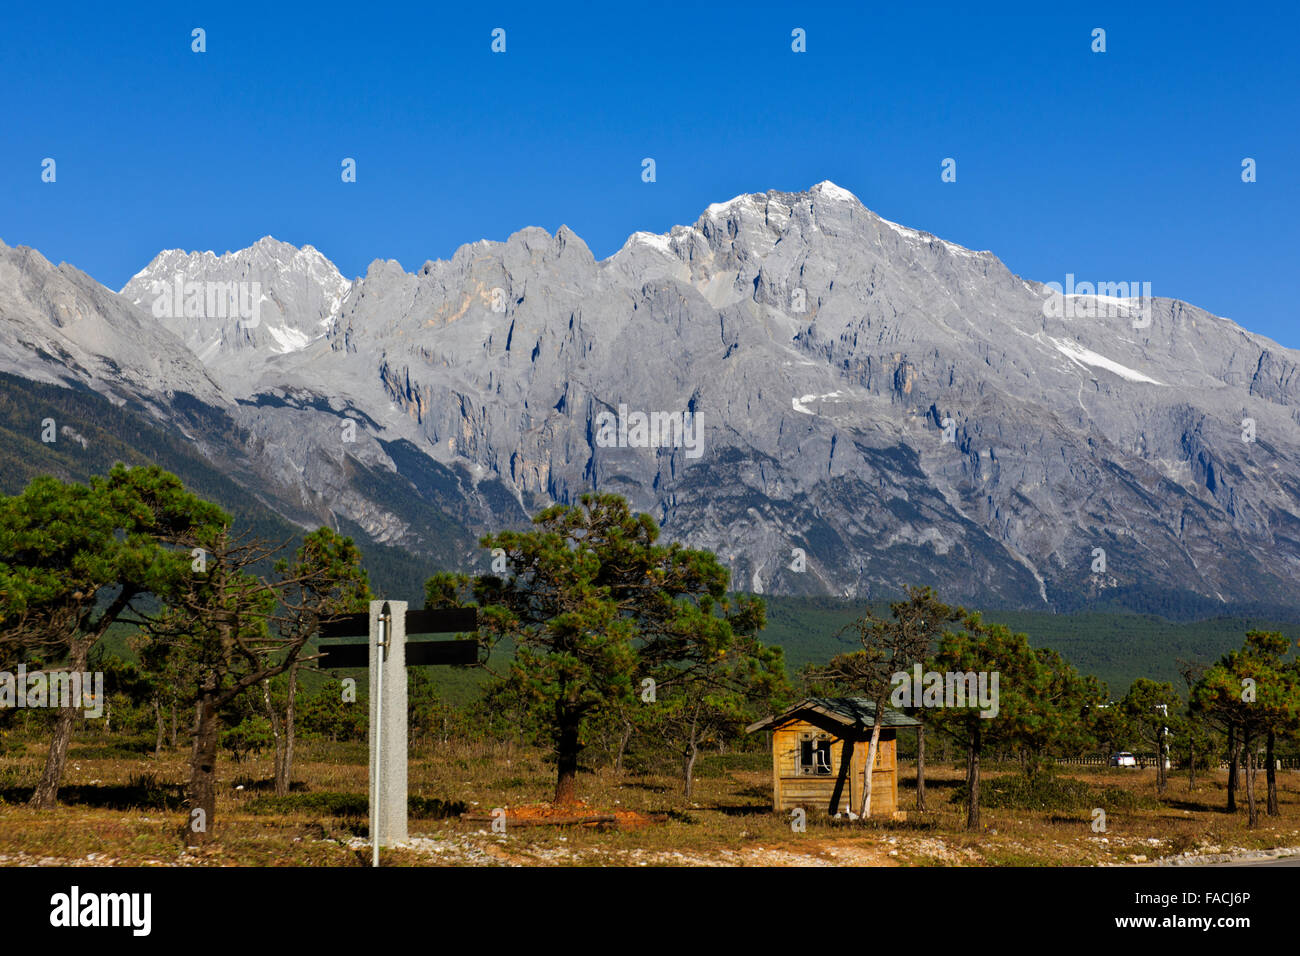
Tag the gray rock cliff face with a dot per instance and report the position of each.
(58, 325)
(839, 404)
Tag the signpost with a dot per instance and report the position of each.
(387, 655)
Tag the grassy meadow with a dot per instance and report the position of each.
(122, 806)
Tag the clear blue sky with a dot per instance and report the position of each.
(1117, 166)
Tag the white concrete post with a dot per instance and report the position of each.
(388, 768)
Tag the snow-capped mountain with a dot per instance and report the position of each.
(237, 310)
(833, 402)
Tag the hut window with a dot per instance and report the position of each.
(814, 754)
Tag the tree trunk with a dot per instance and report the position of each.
(284, 778)
(175, 729)
(282, 731)
(692, 751)
(1232, 770)
(623, 741)
(688, 767)
(277, 734)
(159, 728)
(869, 781)
(1252, 809)
(1191, 764)
(1162, 780)
(202, 795)
(566, 752)
(920, 768)
(1270, 773)
(973, 781)
(46, 795)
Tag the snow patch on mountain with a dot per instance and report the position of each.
(829, 190)
(660, 243)
(289, 340)
(1082, 356)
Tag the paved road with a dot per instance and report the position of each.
(1292, 860)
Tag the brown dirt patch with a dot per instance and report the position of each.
(568, 814)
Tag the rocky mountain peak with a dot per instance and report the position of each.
(239, 310)
(897, 407)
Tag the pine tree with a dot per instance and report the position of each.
(594, 604)
(75, 558)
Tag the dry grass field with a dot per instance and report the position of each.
(125, 810)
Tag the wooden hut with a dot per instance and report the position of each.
(819, 752)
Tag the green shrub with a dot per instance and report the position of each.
(251, 735)
(122, 748)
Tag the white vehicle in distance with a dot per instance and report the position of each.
(1124, 759)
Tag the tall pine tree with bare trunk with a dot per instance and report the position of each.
(712, 698)
(73, 560)
(227, 628)
(593, 603)
(1022, 702)
(890, 646)
(1252, 693)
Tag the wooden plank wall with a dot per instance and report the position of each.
(813, 792)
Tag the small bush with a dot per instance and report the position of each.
(252, 735)
(432, 808)
(147, 781)
(130, 748)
